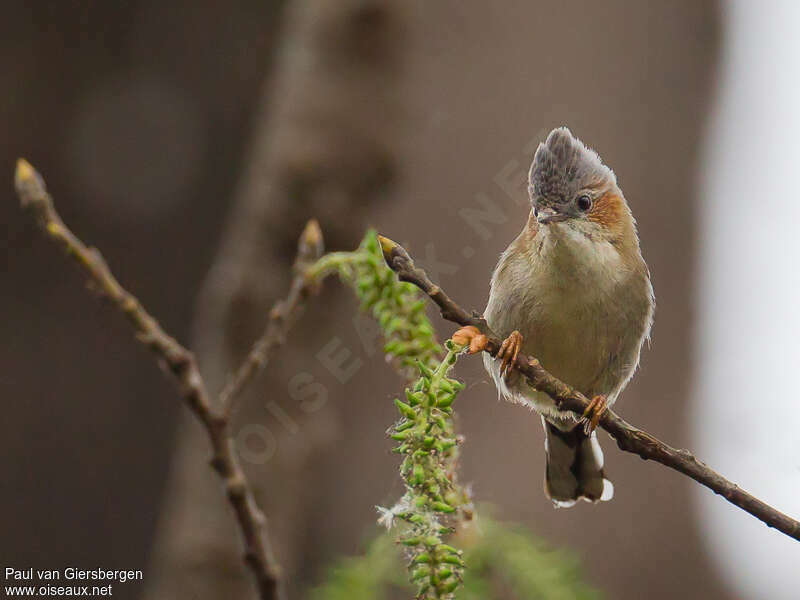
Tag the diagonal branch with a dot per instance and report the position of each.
(281, 317)
(178, 362)
(628, 437)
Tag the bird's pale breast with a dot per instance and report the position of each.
(582, 309)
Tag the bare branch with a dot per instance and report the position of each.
(281, 317)
(180, 363)
(628, 437)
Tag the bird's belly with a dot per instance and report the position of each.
(577, 344)
(588, 342)
(580, 310)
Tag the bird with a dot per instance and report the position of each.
(574, 291)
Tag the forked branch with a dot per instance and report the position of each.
(180, 363)
(628, 437)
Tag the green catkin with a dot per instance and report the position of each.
(425, 432)
(432, 493)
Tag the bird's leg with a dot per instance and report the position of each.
(593, 413)
(509, 349)
(508, 352)
(472, 337)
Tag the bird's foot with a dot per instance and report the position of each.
(508, 352)
(593, 413)
(472, 337)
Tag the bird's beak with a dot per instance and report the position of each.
(549, 215)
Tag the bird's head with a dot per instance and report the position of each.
(569, 185)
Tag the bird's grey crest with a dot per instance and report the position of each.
(563, 165)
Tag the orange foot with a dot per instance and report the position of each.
(471, 336)
(593, 413)
(508, 352)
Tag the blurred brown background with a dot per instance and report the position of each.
(176, 136)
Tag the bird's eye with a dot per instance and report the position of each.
(584, 202)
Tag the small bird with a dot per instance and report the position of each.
(573, 291)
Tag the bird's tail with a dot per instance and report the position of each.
(574, 466)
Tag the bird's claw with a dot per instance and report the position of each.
(508, 352)
(472, 337)
(477, 342)
(593, 413)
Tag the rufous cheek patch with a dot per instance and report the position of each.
(607, 210)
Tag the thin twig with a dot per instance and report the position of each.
(180, 363)
(628, 437)
(281, 317)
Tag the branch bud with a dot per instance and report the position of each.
(311, 245)
(30, 186)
